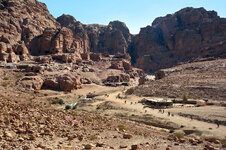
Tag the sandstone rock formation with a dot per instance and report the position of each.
(183, 36)
(31, 83)
(65, 82)
(27, 28)
(21, 21)
(112, 39)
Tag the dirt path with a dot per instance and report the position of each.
(208, 129)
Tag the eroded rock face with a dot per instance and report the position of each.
(184, 36)
(118, 78)
(121, 65)
(58, 41)
(112, 39)
(21, 21)
(27, 27)
(79, 33)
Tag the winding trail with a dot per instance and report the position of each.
(208, 129)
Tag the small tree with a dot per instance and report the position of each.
(67, 107)
(185, 97)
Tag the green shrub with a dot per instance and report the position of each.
(121, 127)
(6, 78)
(223, 142)
(74, 114)
(18, 75)
(67, 107)
(171, 130)
(57, 101)
(185, 97)
(179, 134)
(74, 107)
(92, 137)
(89, 119)
(98, 107)
(5, 83)
(163, 130)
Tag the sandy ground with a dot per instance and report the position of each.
(207, 129)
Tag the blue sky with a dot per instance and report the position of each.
(135, 13)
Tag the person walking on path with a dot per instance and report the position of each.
(218, 124)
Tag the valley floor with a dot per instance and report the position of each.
(109, 120)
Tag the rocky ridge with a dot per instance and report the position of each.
(184, 36)
(28, 29)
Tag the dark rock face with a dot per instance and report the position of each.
(114, 38)
(184, 36)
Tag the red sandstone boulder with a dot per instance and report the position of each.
(51, 83)
(124, 77)
(44, 59)
(127, 66)
(85, 81)
(116, 65)
(3, 47)
(85, 56)
(118, 78)
(31, 83)
(64, 82)
(4, 56)
(68, 82)
(95, 56)
(113, 79)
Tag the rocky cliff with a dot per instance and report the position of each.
(21, 21)
(114, 38)
(27, 28)
(183, 36)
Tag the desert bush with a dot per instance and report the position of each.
(89, 119)
(67, 107)
(5, 83)
(18, 75)
(223, 142)
(185, 97)
(179, 134)
(6, 78)
(92, 137)
(98, 107)
(130, 91)
(57, 101)
(171, 130)
(121, 127)
(74, 107)
(163, 130)
(74, 114)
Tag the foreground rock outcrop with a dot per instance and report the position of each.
(184, 36)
